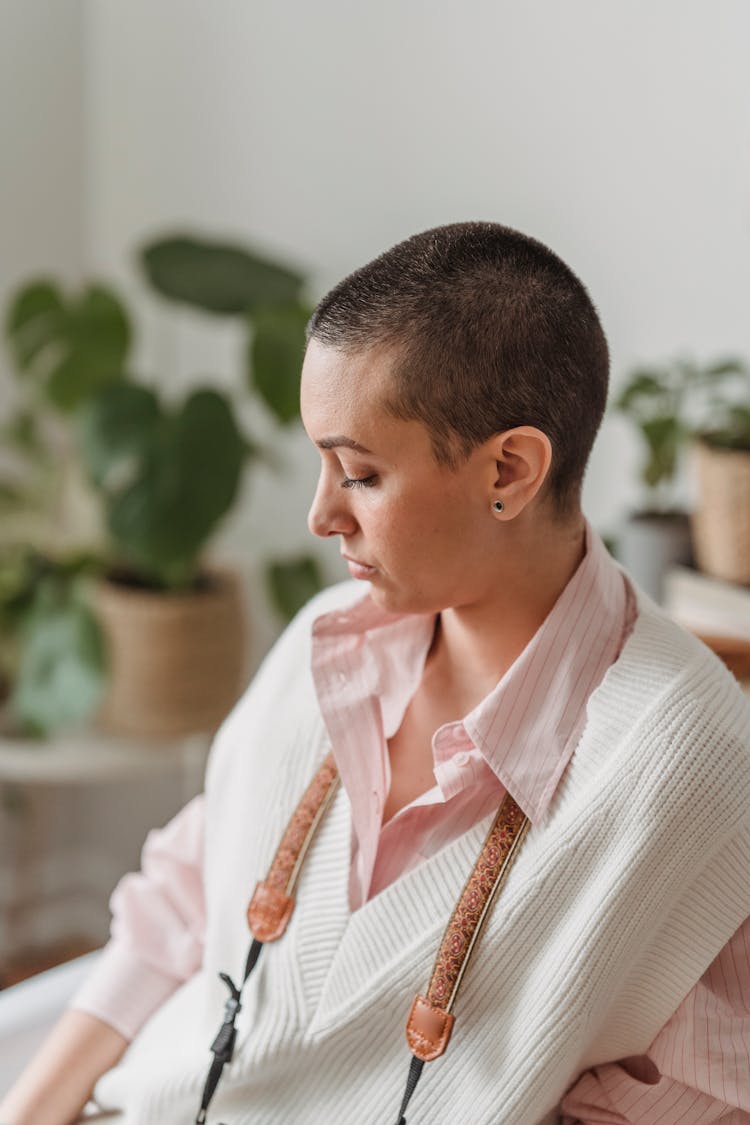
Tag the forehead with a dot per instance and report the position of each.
(344, 386)
(345, 395)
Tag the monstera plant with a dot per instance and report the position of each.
(165, 474)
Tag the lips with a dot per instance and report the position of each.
(359, 569)
(357, 562)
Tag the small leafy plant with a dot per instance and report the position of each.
(726, 424)
(673, 403)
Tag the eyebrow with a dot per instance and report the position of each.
(339, 440)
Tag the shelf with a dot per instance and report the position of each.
(94, 756)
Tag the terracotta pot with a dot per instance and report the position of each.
(177, 660)
(721, 520)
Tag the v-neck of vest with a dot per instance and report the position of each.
(392, 938)
(386, 949)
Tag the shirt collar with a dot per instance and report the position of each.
(527, 728)
(528, 725)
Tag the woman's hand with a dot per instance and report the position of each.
(59, 1080)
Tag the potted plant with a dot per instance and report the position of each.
(669, 405)
(721, 519)
(225, 280)
(165, 476)
(174, 624)
(657, 534)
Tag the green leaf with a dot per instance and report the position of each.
(96, 342)
(61, 674)
(35, 319)
(71, 349)
(74, 379)
(13, 497)
(185, 481)
(276, 353)
(729, 366)
(292, 583)
(739, 417)
(19, 570)
(212, 451)
(217, 277)
(663, 437)
(25, 571)
(642, 385)
(22, 432)
(115, 428)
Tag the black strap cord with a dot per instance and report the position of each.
(415, 1070)
(222, 1047)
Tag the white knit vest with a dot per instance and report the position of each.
(615, 907)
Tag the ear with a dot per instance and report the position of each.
(522, 458)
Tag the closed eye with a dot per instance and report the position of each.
(359, 482)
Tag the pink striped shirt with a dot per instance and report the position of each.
(367, 665)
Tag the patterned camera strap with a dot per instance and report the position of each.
(430, 1021)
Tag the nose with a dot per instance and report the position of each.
(329, 512)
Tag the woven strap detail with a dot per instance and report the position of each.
(301, 828)
(492, 865)
(271, 906)
(429, 1024)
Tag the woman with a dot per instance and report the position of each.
(454, 387)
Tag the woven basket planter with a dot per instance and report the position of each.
(177, 660)
(721, 521)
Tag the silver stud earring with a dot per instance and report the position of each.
(498, 506)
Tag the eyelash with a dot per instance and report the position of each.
(358, 482)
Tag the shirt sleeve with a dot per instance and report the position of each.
(696, 1070)
(158, 927)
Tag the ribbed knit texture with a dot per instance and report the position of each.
(615, 907)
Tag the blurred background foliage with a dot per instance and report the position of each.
(163, 474)
(672, 404)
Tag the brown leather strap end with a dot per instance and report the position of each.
(428, 1029)
(269, 912)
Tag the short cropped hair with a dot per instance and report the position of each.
(489, 330)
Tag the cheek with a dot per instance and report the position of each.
(442, 536)
(446, 517)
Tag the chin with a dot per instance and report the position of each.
(401, 600)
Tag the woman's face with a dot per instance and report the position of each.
(423, 535)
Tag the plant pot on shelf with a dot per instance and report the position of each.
(177, 660)
(721, 520)
(650, 543)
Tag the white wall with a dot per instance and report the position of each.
(42, 180)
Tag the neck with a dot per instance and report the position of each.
(475, 644)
